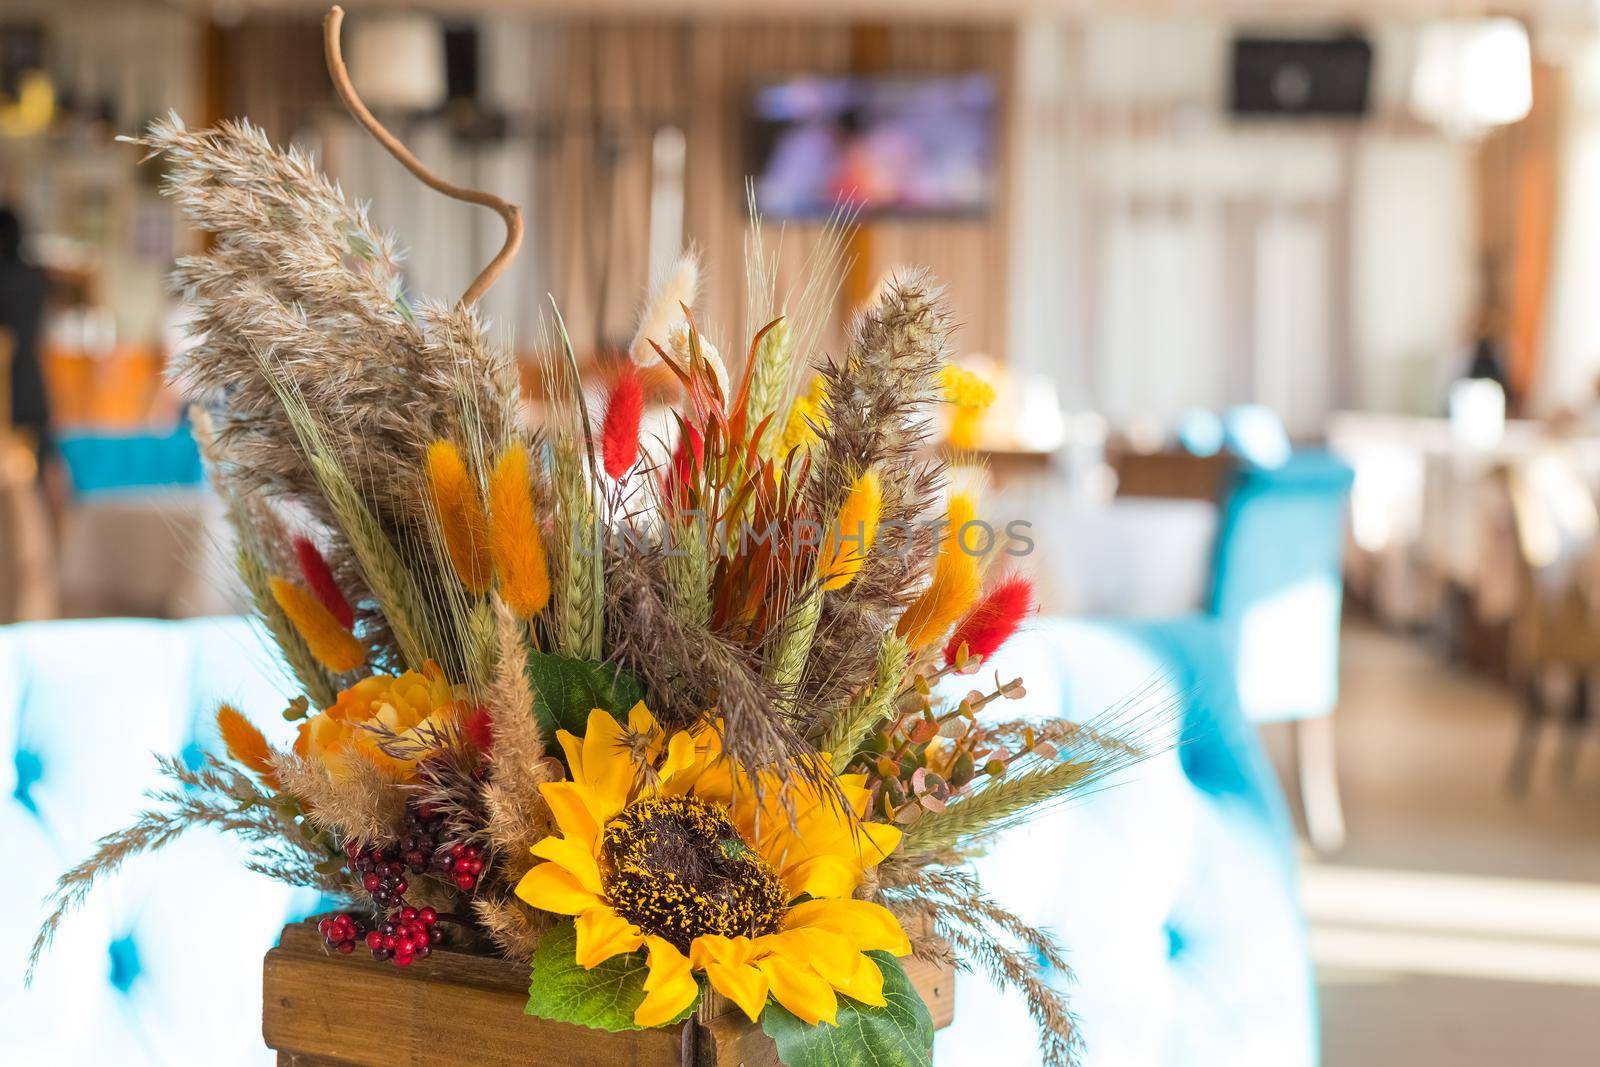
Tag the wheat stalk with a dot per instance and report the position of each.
(581, 593)
(989, 809)
(688, 573)
(870, 706)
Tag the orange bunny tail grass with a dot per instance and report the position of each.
(619, 437)
(245, 744)
(957, 580)
(319, 576)
(992, 622)
(459, 510)
(515, 543)
(334, 647)
(854, 533)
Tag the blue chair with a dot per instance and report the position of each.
(1277, 587)
(163, 964)
(1172, 887)
(100, 462)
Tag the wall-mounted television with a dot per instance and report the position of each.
(901, 145)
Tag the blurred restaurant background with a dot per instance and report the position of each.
(1267, 291)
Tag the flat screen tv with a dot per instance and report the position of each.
(885, 146)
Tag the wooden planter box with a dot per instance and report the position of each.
(322, 1009)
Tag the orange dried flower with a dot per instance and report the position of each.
(245, 744)
(411, 706)
(515, 543)
(462, 522)
(957, 579)
(334, 647)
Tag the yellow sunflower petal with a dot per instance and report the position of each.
(669, 987)
(572, 748)
(744, 984)
(865, 984)
(608, 768)
(836, 960)
(571, 810)
(822, 876)
(640, 721)
(575, 855)
(551, 887)
(878, 841)
(602, 933)
(864, 924)
(800, 989)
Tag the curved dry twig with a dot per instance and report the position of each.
(510, 213)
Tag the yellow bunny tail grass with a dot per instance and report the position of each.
(515, 543)
(462, 523)
(333, 646)
(957, 580)
(807, 416)
(854, 532)
(245, 744)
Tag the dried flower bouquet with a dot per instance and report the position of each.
(655, 720)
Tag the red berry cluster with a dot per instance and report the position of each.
(464, 864)
(408, 935)
(381, 872)
(420, 841)
(341, 932)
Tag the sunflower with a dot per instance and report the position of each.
(666, 846)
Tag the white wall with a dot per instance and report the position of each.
(1166, 255)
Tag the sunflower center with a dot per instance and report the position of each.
(677, 868)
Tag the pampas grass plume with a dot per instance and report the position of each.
(462, 522)
(333, 646)
(319, 576)
(515, 543)
(619, 436)
(992, 622)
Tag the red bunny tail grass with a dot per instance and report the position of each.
(479, 730)
(993, 620)
(619, 438)
(320, 578)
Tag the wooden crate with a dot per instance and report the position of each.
(322, 1009)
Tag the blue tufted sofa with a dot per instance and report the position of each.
(1172, 888)
(163, 965)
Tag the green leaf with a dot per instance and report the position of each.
(899, 1034)
(603, 998)
(565, 691)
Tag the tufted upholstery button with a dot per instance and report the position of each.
(1174, 942)
(125, 965)
(30, 768)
